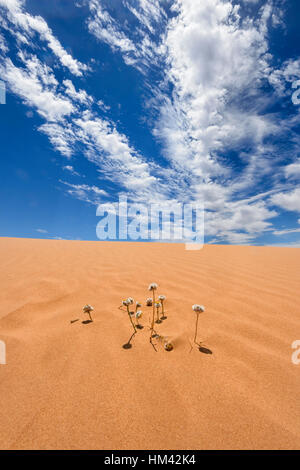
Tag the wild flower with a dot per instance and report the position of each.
(152, 287)
(157, 306)
(162, 298)
(197, 309)
(138, 316)
(149, 302)
(126, 303)
(88, 309)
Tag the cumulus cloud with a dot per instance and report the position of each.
(214, 57)
(217, 62)
(289, 200)
(239, 221)
(293, 170)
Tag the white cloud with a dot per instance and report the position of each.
(281, 79)
(29, 25)
(214, 57)
(295, 244)
(105, 28)
(80, 95)
(103, 106)
(36, 85)
(215, 62)
(289, 200)
(239, 217)
(62, 137)
(3, 45)
(70, 168)
(148, 12)
(286, 231)
(86, 193)
(106, 146)
(136, 46)
(293, 170)
(41, 230)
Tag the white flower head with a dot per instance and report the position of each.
(130, 300)
(162, 297)
(138, 304)
(139, 314)
(153, 286)
(88, 308)
(157, 304)
(198, 308)
(149, 301)
(125, 302)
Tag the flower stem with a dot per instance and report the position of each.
(153, 311)
(133, 325)
(196, 331)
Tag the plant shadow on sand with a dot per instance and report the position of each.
(204, 350)
(86, 322)
(128, 345)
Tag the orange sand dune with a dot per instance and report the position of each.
(72, 386)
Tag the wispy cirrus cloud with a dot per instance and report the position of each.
(86, 193)
(70, 122)
(36, 85)
(24, 26)
(137, 44)
(71, 170)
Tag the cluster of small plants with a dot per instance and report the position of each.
(135, 314)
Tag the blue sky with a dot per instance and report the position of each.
(187, 100)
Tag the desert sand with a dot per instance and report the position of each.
(73, 386)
